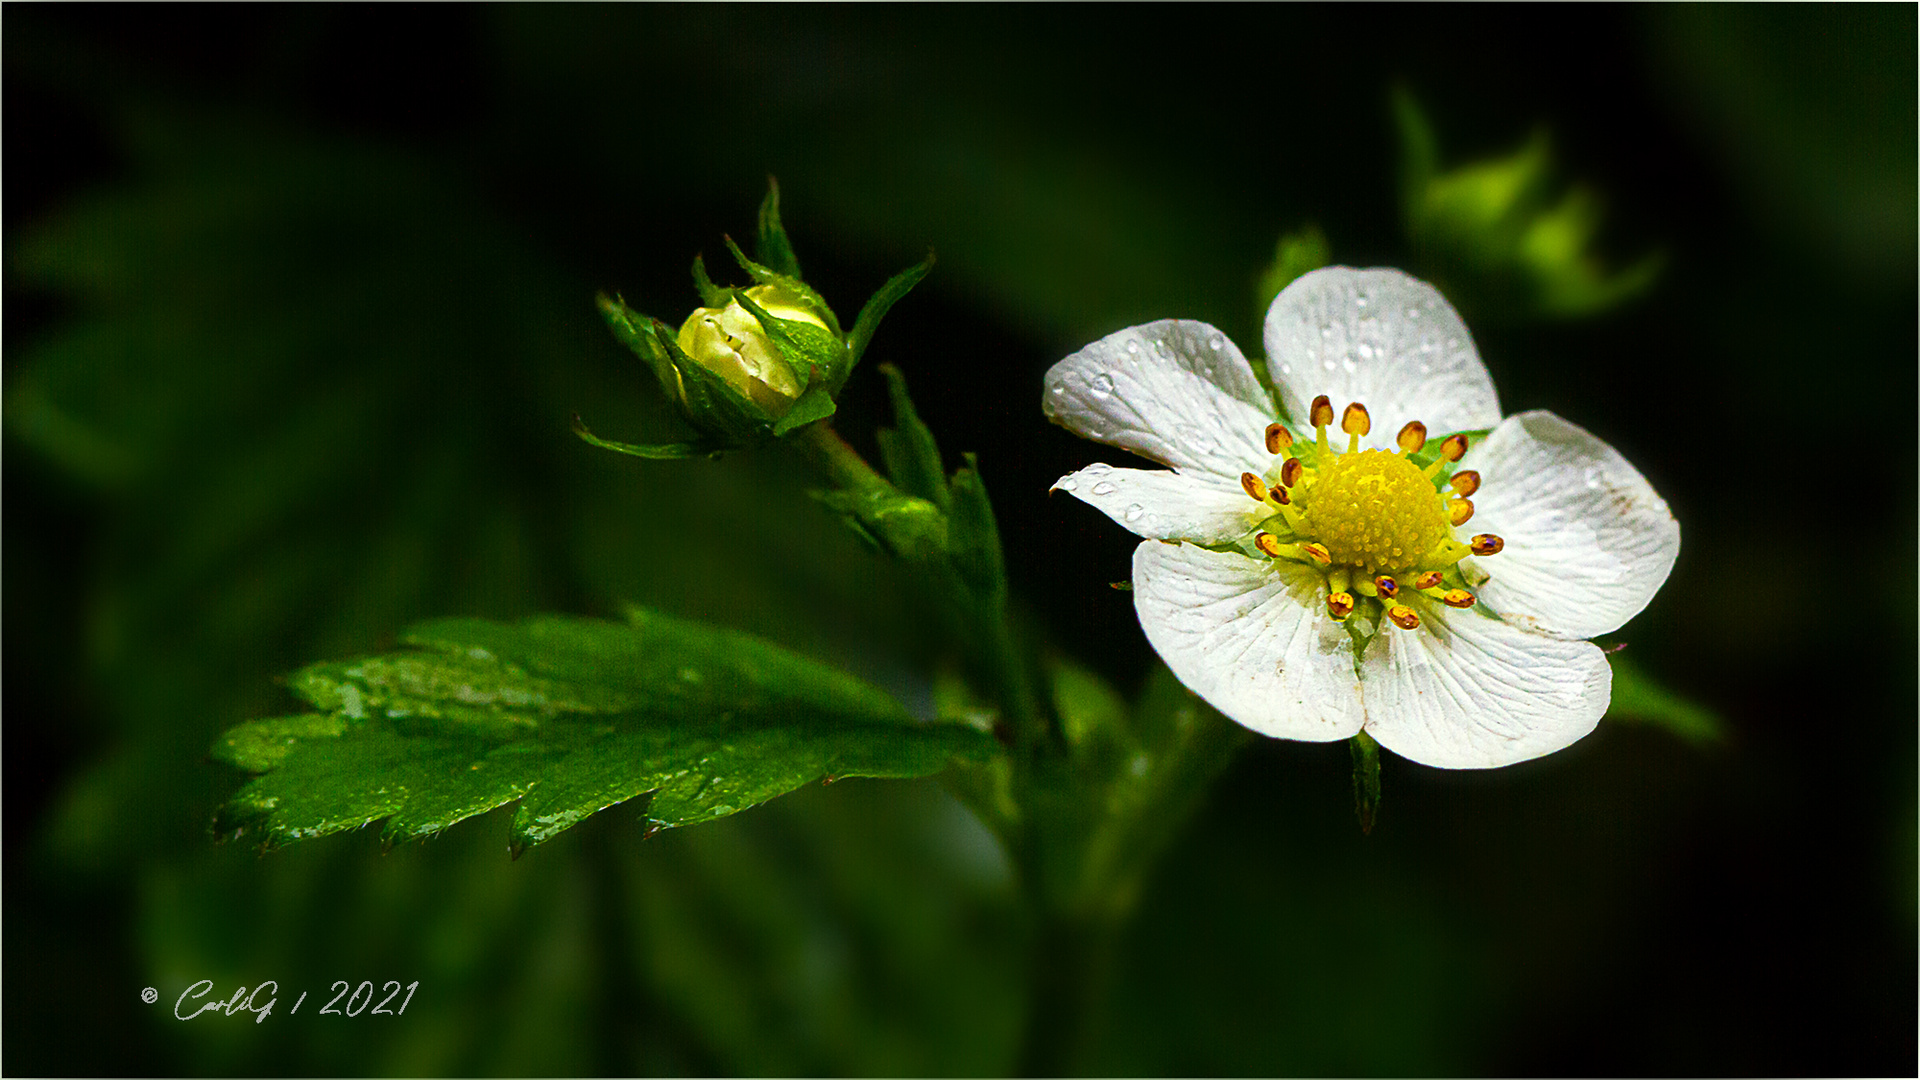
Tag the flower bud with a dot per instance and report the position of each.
(732, 344)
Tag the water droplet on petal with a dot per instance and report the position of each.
(1215, 342)
(1330, 364)
(1103, 488)
(1059, 388)
(1593, 477)
(1096, 469)
(1366, 351)
(1102, 384)
(1134, 512)
(1326, 330)
(1068, 484)
(1412, 312)
(1133, 348)
(1286, 369)
(1346, 361)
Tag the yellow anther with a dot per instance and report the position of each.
(1290, 472)
(1454, 448)
(1270, 544)
(1321, 415)
(1355, 420)
(1403, 616)
(1252, 485)
(1466, 482)
(1486, 544)
(1459, 598)
(1459, 510)
(1316, 552)
(1428, 580)
(1278, 438)
(1340, 604)
(1279, 494)
(1388, 587)
(1412, 437)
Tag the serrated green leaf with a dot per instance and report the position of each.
(878, 305)
(569, 717)
(908, 448)
(774, 248)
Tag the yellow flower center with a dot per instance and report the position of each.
(1373, 510)
(1377, 524)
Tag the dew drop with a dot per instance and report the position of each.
(1326, 330)
(1059, 388)
(1412, 312)
(1215, 342)
(1286, 369)
(1346, 361)
(1134, 512)
(1366, 351)
(1453, 343)
(1103, 488)
(1593, 478)
(1098, 468)
(1330, 364)
(1359, 299)
(1102, 384)
(1068, 484)
(1133, 348)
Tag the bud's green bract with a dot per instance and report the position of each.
(753, 363)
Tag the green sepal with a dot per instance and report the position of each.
(815, 355)
(907, 449)
(815, 404)
(567, 717)
(764, 276)
(711, 295)
(653, 451)
(1366, 779)
(774, 248)
(878, 304)
(711, 404)
(634, 330)
(975, 536)
(909, 528)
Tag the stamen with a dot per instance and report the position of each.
(1340, 604)
(1459, 598)
(1268, 543)
(1255, 489)
(1355, 422)
(1404, 617)
(1413, 437)
(1486, 544)
(1388, 587)
(1428, 580)
(1318, 553)
(1278, 438)
(1466, 481)
(1365, 587)
(1322, 412)
(1279, 494)
(1454, 448)
(1459, 510)
(1290, 472)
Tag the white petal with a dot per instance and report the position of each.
(1175, 391)
(1161, 505)
(1252, 637)
(1588, 540)
(1384, 339)
(1467, 691)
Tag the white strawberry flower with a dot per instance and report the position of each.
(1313, 583)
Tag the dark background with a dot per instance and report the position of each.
(298, 300)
